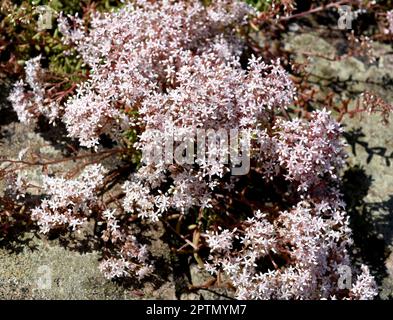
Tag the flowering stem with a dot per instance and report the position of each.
(56, 161)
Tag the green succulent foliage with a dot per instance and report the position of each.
(75, 6)
(68, 7)
(21, 39)
(260, 5)
(134, 156)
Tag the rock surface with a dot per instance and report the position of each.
(46, 270)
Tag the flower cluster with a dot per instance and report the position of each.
(211, 93)
(70, 201)
(136, 52)
(298, 255)
(364, 287)
(307, 153)
(310, 151)
(181, 74)
(133, 260)
(28, 97)
(129, 257)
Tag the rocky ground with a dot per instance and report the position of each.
(28, 260)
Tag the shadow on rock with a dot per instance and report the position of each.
(17, 231)
(371, 246)
(354, 138)
(7, 114)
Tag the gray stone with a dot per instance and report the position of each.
(200, 277)
(45, 270)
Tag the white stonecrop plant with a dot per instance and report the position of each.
(174, 67)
